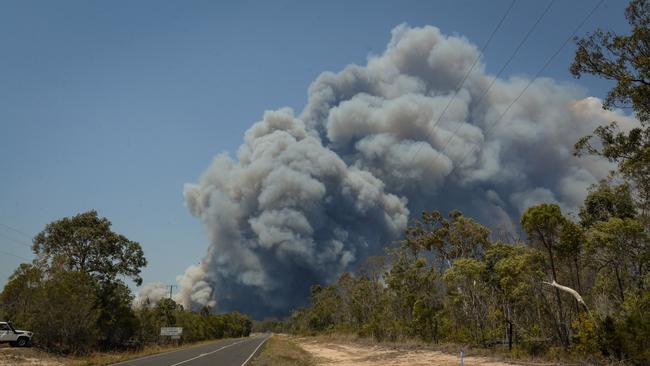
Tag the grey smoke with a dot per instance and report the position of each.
(311, 195)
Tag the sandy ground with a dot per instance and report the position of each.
(26, 356)
(350, 354)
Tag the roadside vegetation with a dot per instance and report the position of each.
(570, 287)
(74, 298)
(280, 350)
(36, 356)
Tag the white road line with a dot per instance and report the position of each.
(157, 354)
(209, 353)
(258, 347)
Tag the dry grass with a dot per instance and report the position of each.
(27, 356)
(34, 356)
(281, 350)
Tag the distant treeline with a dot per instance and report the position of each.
(196, 326)
(74, 299)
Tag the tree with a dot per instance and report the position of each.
(543, 224)
(117, 321)
(469, 294)
(449, 239)
(621, 249)
(572, 238)
(85, 242)
(165, 311)
(149, 325)
(515, 272)
(605, 201)
(412, 282)
(624, 59)
(325, 302)
(17, 297)
(64, 315)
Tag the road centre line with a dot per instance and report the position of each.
(209, 353)
(165, 353)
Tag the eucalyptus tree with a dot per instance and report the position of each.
(624, 59)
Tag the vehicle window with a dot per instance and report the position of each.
(4, 327)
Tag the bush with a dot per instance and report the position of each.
(64, 317)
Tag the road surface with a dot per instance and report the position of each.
(230, 352)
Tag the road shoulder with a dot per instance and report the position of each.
(281, 350)
(305, 351)
(10, 356)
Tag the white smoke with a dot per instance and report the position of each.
(151, 293)
(312, 195)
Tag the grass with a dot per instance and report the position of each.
(279, 350)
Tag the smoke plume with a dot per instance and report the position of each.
(310, 195)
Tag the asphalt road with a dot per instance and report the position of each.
(230, 352)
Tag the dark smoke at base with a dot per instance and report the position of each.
(312, 195)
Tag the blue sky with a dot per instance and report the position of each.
(114, 105)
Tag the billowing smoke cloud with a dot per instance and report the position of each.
(311, 195)
(151, 293)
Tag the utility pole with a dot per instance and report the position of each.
(171, 287)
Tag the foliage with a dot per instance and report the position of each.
(605, 201)
(42, 302)
(494, 293)
(85, 242)
(72, 296)
(624, 59)
(197, 326)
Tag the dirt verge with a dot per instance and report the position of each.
(345, 353)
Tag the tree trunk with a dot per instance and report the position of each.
(620, 284)
(509, 335)
(575, 262)
(564, 336)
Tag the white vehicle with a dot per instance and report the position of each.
(15, 337)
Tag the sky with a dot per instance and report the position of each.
(114, 106)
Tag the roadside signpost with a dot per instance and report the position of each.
(171, 331)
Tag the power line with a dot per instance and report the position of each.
(501, 70)
(16, 241)
(16, 230)
(462, 82)
(14, 255)
(532, 80)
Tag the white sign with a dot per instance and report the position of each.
(171, 331)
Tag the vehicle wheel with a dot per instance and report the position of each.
(22, 342)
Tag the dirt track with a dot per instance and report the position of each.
(349, 354)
